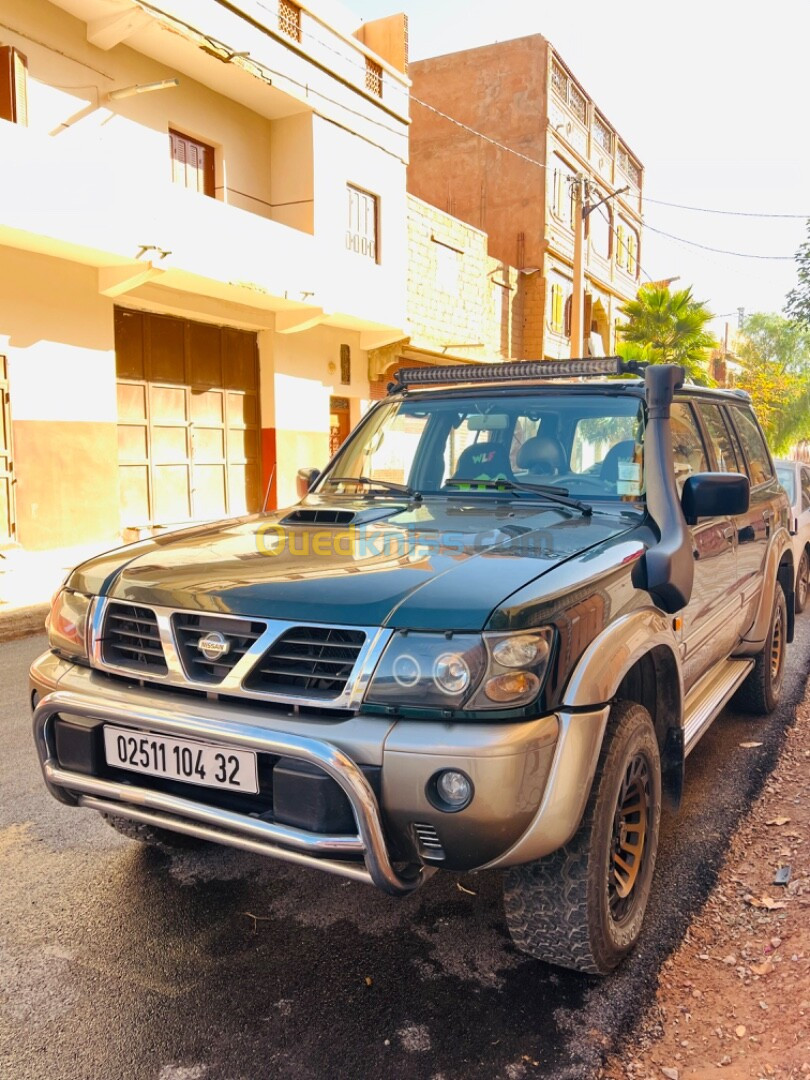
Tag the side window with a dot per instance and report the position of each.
(687, 445)
(719, 437)
(754, 448)
(805, 489)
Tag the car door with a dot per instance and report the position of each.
(754, 528)
(710, 621)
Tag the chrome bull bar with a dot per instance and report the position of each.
(191, 818)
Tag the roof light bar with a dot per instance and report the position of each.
(514, 371)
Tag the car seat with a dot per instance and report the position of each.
(542, 455)
(483, 461)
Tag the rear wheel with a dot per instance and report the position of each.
(152, 835)
(582, 907)
(762, 689)
(802, 582)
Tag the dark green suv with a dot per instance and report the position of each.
(486, 639)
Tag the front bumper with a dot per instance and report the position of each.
(531, 779)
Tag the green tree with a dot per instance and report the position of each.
(775, 355)
(798, 299)
(670, 328)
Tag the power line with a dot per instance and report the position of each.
(719, 251)
(479, 134)
(728, 213)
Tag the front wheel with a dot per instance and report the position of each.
(762, 689)
(582, 907)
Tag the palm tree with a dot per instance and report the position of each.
(670, 328)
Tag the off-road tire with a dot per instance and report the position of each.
(762, 689)
(152, 835)
(558, 909)
(802, 582)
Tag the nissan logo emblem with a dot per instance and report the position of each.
(214, 645)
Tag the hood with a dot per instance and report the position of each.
(439, 564)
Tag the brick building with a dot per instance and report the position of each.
(521, 94)
(462, 303)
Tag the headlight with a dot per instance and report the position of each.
(67, 624)
(430, 670)
(456, 671)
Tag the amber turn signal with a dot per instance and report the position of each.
(507, 688)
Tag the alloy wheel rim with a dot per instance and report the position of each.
(628, 847)
(777, 646)
(804, 573)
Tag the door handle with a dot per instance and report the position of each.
(767, 514)
(730, 533)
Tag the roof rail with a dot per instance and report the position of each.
(515, 371)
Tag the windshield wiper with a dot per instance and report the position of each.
(553, 494)
(387, 485)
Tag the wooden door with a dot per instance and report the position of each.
(7, 524)
(339, 423)
(188, 419)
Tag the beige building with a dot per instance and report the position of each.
(520, 95)
(202, 237)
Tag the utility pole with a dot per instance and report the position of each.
(577, 296)
(582, 207)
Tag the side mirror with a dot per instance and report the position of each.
(715, 495)
(304, 479)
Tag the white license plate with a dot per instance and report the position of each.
(181, 759)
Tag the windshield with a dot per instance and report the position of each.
(587, 445)
(787, 478)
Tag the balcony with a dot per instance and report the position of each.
(70, 201)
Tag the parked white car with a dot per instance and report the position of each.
(794, 476)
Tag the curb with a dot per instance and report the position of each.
(21, 622)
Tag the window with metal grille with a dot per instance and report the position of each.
(602, 134)
(374, 77)
(361, 235)
(576, 100)
(289, 19)
(559, 80)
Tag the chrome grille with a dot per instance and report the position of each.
(238, 635)
(308, 660)
(131, 639)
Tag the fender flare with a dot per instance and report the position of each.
(757, 632)
(601, 668)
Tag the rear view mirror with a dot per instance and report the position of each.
(715, 495)
(304, 479)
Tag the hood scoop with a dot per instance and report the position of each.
(321, 515)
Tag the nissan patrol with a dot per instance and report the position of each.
(486, 638)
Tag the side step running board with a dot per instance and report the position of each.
(708, 696)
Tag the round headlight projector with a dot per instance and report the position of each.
(450, 790)
(451, 674)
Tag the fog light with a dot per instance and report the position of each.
(451, 790)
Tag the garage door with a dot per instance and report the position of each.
(188, 419)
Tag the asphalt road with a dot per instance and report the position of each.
(121, 962)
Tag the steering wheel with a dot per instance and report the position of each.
(578, 481)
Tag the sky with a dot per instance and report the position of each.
(711, 95)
